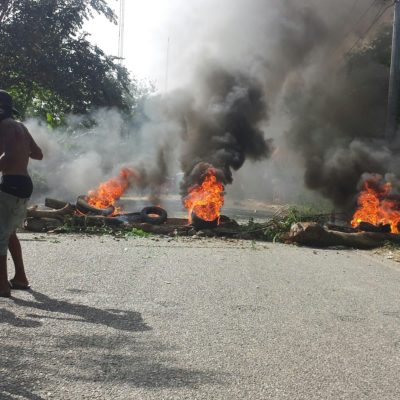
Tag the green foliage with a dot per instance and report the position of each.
(50, 66)
(134, 232)
(71, 226)
(377, 51)
(277, 227)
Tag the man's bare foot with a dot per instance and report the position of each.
(19, 285)
(20, 278)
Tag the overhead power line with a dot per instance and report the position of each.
(378, 16)
(355, 24)
(365, 13)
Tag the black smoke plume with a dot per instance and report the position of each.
(337, 124)
(222, 125)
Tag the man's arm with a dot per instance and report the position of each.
(36, 152)
(7, 143)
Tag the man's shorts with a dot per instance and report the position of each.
(12, 214)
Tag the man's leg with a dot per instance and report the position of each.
(16, 253)
(4, 285)
(5, 230)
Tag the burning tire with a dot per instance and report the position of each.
(147, 215)
(199, 223)
(83, 206)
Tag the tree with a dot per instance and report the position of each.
(50, 66)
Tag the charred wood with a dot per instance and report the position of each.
(171, 230)
(94, 220)
(315, 235)
(56, 204)
(41, 224)
(341, 228)
(68, 209)
(367, 227)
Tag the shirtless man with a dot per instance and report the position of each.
(16, 147)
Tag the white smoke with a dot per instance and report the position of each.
(287, 46)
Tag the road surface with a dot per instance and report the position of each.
(183, 318)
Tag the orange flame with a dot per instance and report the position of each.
(375, 208)
(207, 199)
(109, 192)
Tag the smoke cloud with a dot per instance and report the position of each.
(78, 159)
(265, 81)
(221, 124)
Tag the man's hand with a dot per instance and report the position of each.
(36, 151)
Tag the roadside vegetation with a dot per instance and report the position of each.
(69, 227)
(277, 227)
(51, 68)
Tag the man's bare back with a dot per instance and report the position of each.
(16, 147)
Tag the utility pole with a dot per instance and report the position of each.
(167, 67)
(394, 81)
(121, 29)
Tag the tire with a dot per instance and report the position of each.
(199, 223)
(83, 206)
(162, 215)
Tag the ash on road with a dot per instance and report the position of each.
(200, 319)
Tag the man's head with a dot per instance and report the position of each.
(6, 105)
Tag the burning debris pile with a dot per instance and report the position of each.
(99, 208)
(204, 201)
(378, 206)
(375, 221)
(109, 192)
(221, 129)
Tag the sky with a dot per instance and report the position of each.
(148, 30)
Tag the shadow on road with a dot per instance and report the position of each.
(76, 355)
(118, 319)
(7, 317)
(16, 380)
(128, 360)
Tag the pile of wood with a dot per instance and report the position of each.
(317, 235)
(60, 216)
(59, 213)
(39, 220)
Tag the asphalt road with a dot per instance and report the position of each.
(200, 319)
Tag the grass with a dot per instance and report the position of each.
(134, 232)
(102, 229)
(275, 229)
